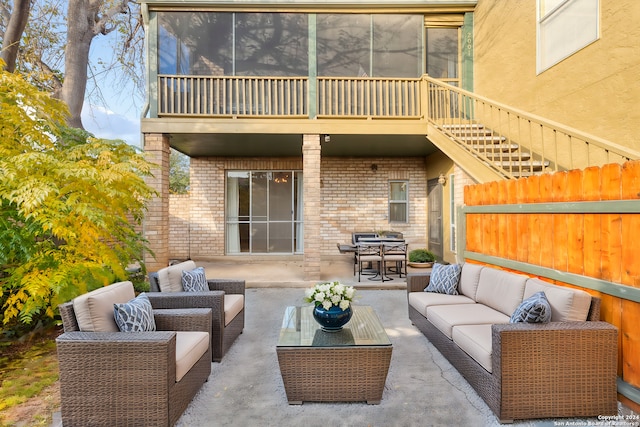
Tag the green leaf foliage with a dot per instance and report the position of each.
(421, 255)
(178, 173)
(71, 205)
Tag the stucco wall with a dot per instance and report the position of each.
(595, 90)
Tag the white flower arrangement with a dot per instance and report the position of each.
(329, 294)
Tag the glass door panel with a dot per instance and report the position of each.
(259, 185)
(259, 240)
(264, 212)
(280, 197)
(280, 237)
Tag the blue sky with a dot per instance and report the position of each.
(119, 116)
(110, 123)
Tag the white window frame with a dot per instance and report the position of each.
(406, 201)
(563, 28)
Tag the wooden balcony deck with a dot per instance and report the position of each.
(379, 106)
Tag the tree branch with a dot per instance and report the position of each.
(13, 33)
(55, 80)
(100, 26)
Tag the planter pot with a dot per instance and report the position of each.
(332, 320)
(421, 264)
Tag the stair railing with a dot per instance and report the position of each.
(551, 144)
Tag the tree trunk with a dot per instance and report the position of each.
(13, 33)
(81, 18)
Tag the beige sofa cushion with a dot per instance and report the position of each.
(421, 300)
(233, 304)
(500, 290)
(170, 278)
(94, 310)
(190, 346)
(469, 279)
(445, 317)
(567, 304)
(475, 340)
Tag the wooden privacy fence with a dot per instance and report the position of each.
(579, 228)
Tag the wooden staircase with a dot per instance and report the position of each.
(492, 148)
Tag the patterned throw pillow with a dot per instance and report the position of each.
(194, 280)
(444, 279)
(535, 309)
(135, 315)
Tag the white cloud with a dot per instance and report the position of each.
(107, 124)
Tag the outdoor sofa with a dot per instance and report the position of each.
(225, 298)
(564, 368)
(113, 378)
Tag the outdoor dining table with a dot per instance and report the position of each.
(378, 274)
(380, 240)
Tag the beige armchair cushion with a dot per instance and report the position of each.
(94, 310)
(170, 278)
(190, 346)
(233, 304)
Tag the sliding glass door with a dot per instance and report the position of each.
(264, 212)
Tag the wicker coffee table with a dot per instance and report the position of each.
(345, 366)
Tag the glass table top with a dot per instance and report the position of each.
(299, 329)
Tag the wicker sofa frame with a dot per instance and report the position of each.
(222, 336)
(128, 378)
(552, 370)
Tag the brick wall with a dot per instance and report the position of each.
(353, 198)
(156, 224)
(313, 205)
(179, 233)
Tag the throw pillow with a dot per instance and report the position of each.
(444, 279)
(535, 309)
(194, 280)
(135, 315)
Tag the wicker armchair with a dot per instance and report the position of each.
(131, 378)
(225, 298)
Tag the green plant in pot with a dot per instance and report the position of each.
(421, 258)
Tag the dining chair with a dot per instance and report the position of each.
(369, 253)
(395, 253)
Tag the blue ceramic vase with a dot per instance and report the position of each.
(333, 319)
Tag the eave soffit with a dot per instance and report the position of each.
(442, 6)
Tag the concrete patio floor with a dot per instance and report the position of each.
(288, 272)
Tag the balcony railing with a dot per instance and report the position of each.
(232, 96)
(223, 96)
(510, 141)
(369, 97)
